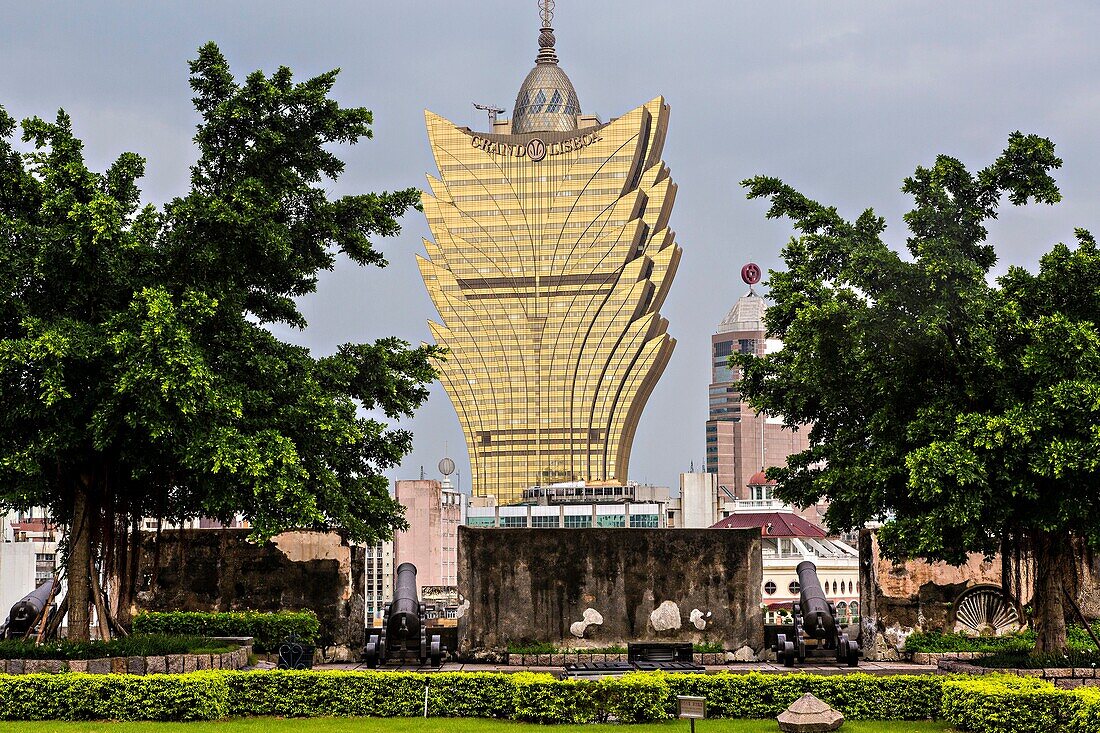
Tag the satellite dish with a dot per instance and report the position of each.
(446, 467)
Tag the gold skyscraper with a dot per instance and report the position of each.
(552, 256)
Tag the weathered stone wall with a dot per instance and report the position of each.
(220, 570)
(900, 598)
(598, 587)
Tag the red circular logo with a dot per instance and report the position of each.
(750, 273)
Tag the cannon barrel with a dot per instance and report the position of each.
(404, 618)
(27, 610)
(817, 616)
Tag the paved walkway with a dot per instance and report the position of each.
(822, 668)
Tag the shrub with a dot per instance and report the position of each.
(1077, 639)
(195, 696)
(931, 641)
(1086, 718)
(267, 629)
(137, 645)
(1025, 660)
(858, 696)
(995, 703)
(369, 694)
(1008, 704)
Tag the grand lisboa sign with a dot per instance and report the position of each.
(534, 149)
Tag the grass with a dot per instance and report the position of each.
(444, 725)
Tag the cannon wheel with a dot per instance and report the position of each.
(847, 651)
(788, 653)
(853, 653)
(780, 642)
(371, 652)
(436, 651)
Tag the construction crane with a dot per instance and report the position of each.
(493, 111)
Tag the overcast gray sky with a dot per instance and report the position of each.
(840, 99)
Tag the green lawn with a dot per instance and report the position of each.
(441, 725)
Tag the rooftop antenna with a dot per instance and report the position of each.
(493, 111)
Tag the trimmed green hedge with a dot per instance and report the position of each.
(194, 696)
(998, 704)
(1009, 704)
(268, 629)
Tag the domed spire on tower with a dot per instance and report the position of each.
(546, 101)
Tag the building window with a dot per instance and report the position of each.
(834, 586)
(577, 521)
(769, 588)
(611, 520)
(746, 346)
(481, 521)
(544, 522)
(793, 587)
(723, 348)
(513, 522)
(643, 521)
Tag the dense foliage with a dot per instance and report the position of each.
(268, 630)
(960, 410)
(1077, 639)
(1007, 704)
(135, 645)
(139, 373)
(991, 704)
(522, 696)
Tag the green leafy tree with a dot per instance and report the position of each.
(963, 410)
(137, 372)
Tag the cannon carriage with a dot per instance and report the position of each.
(404, 635)
(817, 632)
(27, 611)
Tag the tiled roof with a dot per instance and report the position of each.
(782, 524)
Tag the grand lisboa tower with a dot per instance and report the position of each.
(551, 259)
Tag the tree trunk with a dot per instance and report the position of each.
(1054, 576)
(76, 569)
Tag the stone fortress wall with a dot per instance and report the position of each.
(605, 587)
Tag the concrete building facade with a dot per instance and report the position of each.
(551, 258)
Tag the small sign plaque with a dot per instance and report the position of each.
(691, 707)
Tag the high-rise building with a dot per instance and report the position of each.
(434, 511)
(551, 259)
(739, 441)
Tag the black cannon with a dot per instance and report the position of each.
(404, 633)
(26, 611)
(816, 631)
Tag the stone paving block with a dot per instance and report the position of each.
(1068, 683)
(202, 661)
(55, 666)
(156, 665)
(34, 666)
(99, 666)
(118, 665)
(135, 665)
(175, 663)
(189, 663)
(215, 661)
(79, 666)
(1057, 672)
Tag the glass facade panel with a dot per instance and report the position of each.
(539, 238)
(611, 520)
(578, 521)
